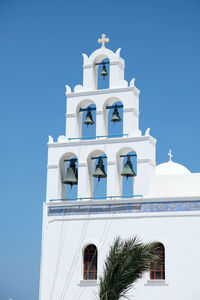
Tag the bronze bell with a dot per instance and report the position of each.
(115, 115)
(128, 169)
(100, 170)
(104, 72)
(71, 176)
(88, 118)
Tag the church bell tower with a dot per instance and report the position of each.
(75, 161)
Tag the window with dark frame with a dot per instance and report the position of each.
(157, 269)
(90, 263)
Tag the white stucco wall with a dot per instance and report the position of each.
(175, 185)
(66, 236)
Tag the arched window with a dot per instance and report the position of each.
(90, 263)
(157, 270)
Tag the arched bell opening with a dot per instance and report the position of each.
(69, 176)
(89, 121)
(97, 163)
(102, 72)
(127, 171)
(113, 117)
(86, 113)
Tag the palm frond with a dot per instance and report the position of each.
(126, 262)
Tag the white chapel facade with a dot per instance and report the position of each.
(163, 204)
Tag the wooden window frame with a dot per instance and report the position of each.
(90, 262)
(157, 269)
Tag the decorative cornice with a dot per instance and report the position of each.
(135, 200)
(126, 207)
(88, 66)
(119, 63)
(103, 141)
(99, 112)
(151, 162)
(134, 110)
(70, 115)
(82, 165)
(128, 109)
(111, 163)
(106, 91)
(112, 63)
(52, 166)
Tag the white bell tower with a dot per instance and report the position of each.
(62, 241)
(73, 144)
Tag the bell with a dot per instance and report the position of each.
(115, 115)
(71, 176)
(88, 118)
(100, 170)
(104, 72)
(128, 169)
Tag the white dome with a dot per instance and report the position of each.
(171, 168)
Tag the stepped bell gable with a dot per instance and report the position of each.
(72, 144)
(162, 203)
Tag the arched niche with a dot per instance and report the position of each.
(112, 128)
(97, 188)
(66, 191)
(84, 130)
(125, 184)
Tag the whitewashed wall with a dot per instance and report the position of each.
(65, 238)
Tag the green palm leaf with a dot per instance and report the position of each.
(126, 262)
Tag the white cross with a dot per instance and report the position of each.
(170, 155)
(103, 40)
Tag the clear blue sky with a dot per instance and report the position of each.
(41, 43)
